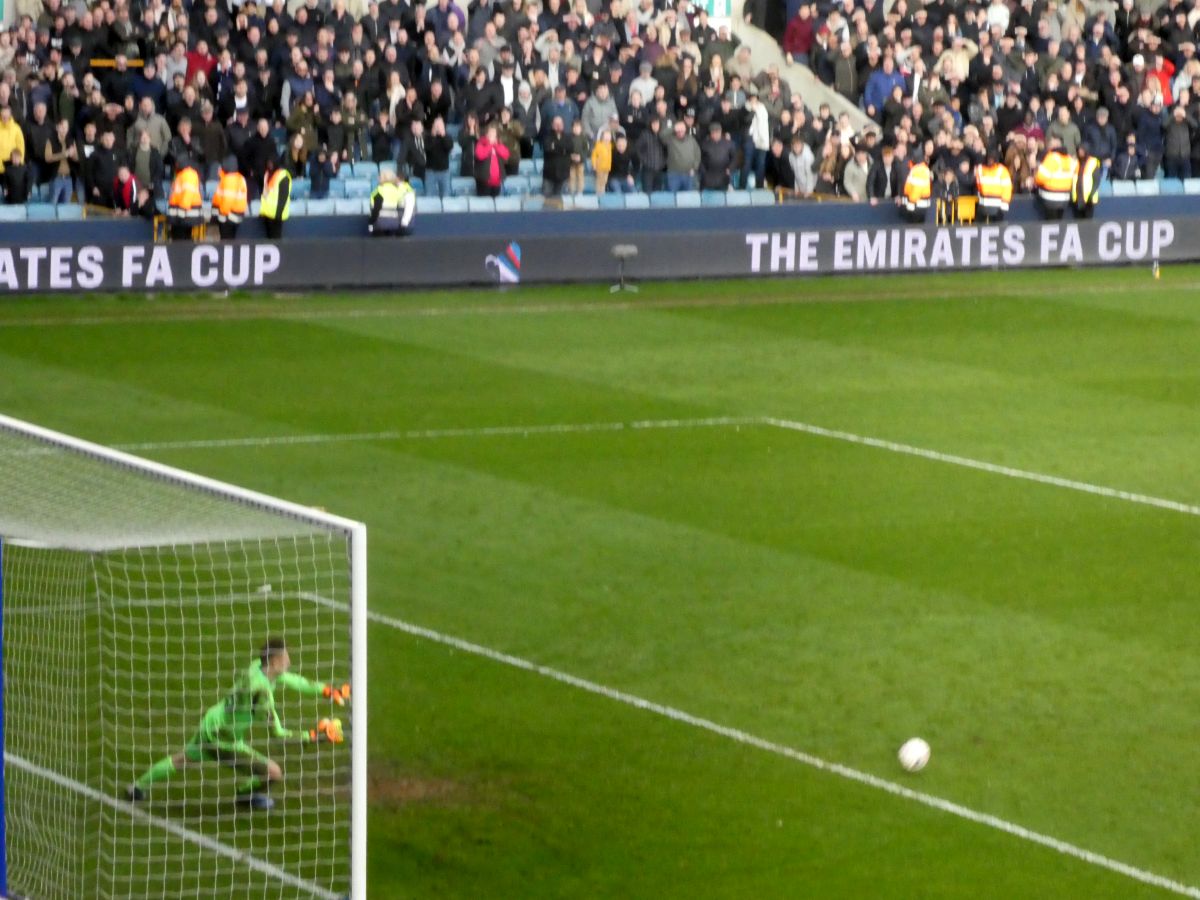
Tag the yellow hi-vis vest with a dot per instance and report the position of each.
(1055, 177)
(994, 185)
(395, 197)
(270, 198)
(1085, 188)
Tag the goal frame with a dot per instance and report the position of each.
(356, 533)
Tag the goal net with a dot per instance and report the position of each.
(131, 597)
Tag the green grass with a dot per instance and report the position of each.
(826, 596)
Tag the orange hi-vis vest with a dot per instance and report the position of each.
(994, 185)
(229, 202)
(1055, 177)
(185, 201)
(918, 187)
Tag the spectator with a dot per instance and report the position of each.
(150, 121)
(854, 177)
(62, 156)
(18, 180)
(1130, 163)
(757, 141)
(1065, 131)
(413, 160)
(651, 156)
(1101, 139)
(468, 137)
(39, 129)
(798, 38)
(322, 169)
(510, 133)
(580, 150)
(556, 159)
(125, 192)
(717, 157)
(437, 160)
(104, 164)
(598, 110)
(1151, 131)
(147, 164)
(779, 168)
(683, 158)
(621, 179)
(11, 136)
(490, 157)
(885, 182)
(1177, 158)
(211, 139)
(805, 168)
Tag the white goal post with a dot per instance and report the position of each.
(132, 594)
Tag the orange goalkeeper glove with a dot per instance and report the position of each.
(327, 730)
(337, 695)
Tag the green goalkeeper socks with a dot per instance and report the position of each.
(164, 768)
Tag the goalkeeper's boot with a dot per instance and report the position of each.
(134, 794)
(257, 801)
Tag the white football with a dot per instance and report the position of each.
(914, 755)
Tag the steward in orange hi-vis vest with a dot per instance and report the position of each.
(918, 188)
(185, 205)
(229, 202)
(1055, 178)
(993, 184)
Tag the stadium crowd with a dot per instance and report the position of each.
(101, 100)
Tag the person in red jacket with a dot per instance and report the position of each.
(798, 37)
(125, 192)
(490, 157)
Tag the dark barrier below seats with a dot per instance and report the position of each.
(725, 252)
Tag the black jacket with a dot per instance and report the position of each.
(556, 163)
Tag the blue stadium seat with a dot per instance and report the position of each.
(587, 201)
(537, 161)
(349, 207)
(1191, 185)
(368, 170)
(210, 188)
(637, 201)
(762, 197)
(386, 166)
(255, 207)
(40, 212)
(612, 201)
(453, 129)
(321, 207)
(533, 203)
(40, 193)
(337, 187)
(481, 205)
(300, 207)
(712, 198)
(1146, 188)
(516, 185)
(429, 205)
(687, 199)
(454, 204)
(662, 200)
(358, 188)
(508, 204)
(69, 212)
(1171, 187)
(527, 167)
(461, 186)
(737, 198)
(301, 187)
(14, 212)
(1106, 189)
(589, 184)
(1124, 188)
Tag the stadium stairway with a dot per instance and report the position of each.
(765, 51)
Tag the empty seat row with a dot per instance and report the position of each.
(41, 212)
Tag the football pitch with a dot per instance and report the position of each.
(660, 583)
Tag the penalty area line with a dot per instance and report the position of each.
(204, 841)
(745, 738)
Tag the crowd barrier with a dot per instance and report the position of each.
(719, 252)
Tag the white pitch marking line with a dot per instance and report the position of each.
(979, 465)
(750, 740)
(436, 433)
(174, 828)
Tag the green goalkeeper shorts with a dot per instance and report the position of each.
(205, 748)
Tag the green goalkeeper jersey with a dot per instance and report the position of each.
(250, 700)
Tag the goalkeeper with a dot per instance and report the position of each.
(220, 737)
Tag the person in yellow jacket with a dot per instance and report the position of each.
(993, 185)
(1085, 188)
(1055, 180)
(185, 206)
(918, 188)
(276, 202)
(229, 202)
(393, 203)
(602, 159)
(11, 136)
